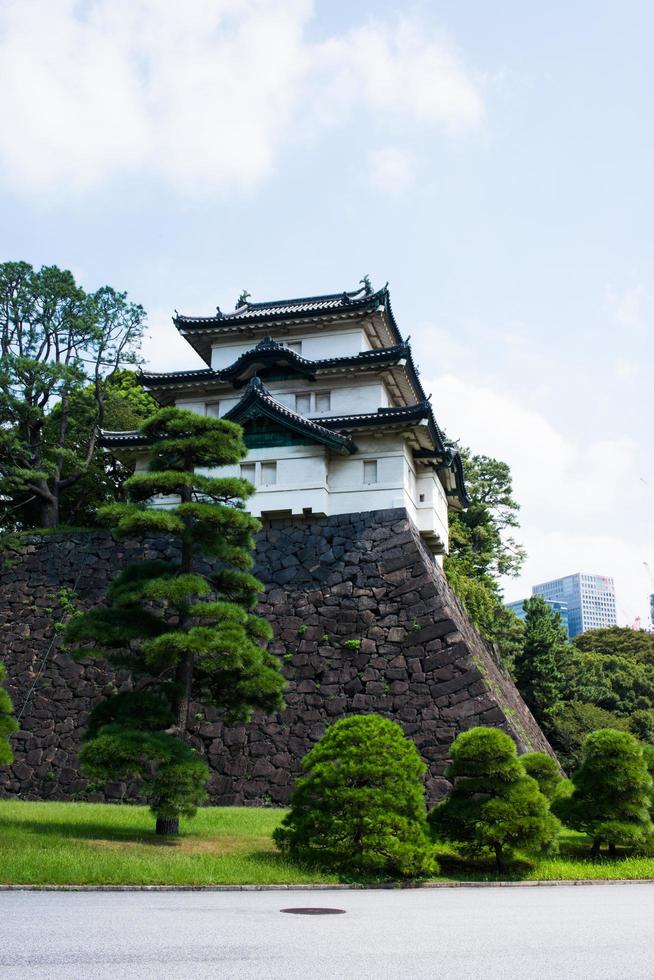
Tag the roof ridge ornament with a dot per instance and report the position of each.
(268, 343)
(367, 285)
(242, 300)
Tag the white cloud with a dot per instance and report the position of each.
(627, 306)
(391, 169)
(203, 95)
(584, 506)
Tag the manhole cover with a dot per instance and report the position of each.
(314, 911)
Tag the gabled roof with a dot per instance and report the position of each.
(248, 316)
(257, 402)
(268, 353)
(121, 440)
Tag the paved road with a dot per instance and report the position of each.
(597, 932)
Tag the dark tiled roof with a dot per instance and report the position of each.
(111, 440)
(153, 378)
(359, 300)
(257, 401)
(272, 351)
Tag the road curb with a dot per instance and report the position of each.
(390, 886)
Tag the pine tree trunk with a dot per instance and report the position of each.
(499, 858)
(595, 849)
(167, 826)
(49, 512)
(611, 848)
(184, 672)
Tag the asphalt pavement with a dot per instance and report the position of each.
(599, 932)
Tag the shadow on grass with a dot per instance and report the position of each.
(87, 830)
(458, 868)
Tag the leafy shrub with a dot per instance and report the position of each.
(360, 807)
(612, 792)
(8, 724)
(494, 806)
(545, 770)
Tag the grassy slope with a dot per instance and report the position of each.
(87, 843)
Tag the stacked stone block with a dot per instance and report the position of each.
(363, 619)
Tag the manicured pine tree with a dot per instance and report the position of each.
(545, 770)
(536, 664)
(493, 806)
(8, 724)
(612, 792)
(361, 805)
(184, 629)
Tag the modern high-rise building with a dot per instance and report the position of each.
(560, 607)
(590, 600)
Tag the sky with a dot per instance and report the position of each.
(492, 161)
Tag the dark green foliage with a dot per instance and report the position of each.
(618, 641)
(361, 805)
(482, 549)
(184, 632)
(612, 792)
(571, 722)
(59, 348)
(544, 769)
(536, 666)
(641, 724)
(493, 806)
(613, 683)
(8, 724)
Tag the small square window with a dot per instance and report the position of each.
(303, 403)
(323, 401)
(370, 471)
(248, 472)
(212, 409)
(268, 474)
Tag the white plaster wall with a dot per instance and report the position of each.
(328, 343)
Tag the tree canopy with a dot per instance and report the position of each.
(361, 805)
(56, 340)
(612, 792)
(537, 663)
(183, 629)
(494, 806)
(617, 641)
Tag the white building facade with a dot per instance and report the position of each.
(590, 600)
(334, 415)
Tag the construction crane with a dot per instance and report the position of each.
(651, 595)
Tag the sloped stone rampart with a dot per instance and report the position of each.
(363, 619)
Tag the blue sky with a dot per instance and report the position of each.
(493, 161)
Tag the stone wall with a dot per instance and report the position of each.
(364, 621)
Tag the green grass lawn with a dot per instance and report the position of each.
(93, 843)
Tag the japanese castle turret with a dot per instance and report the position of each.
(334, 414)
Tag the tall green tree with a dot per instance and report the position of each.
(55, 339)
(612, 792)
(8, 724)
(483, 548)
(185, 630)
(537, 670)
(494, 806)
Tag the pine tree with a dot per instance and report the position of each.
(612, 792)
(361, 805)
(537, 664)
(545, 770)
(494, 806)
(184, 630)
(8, 724)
